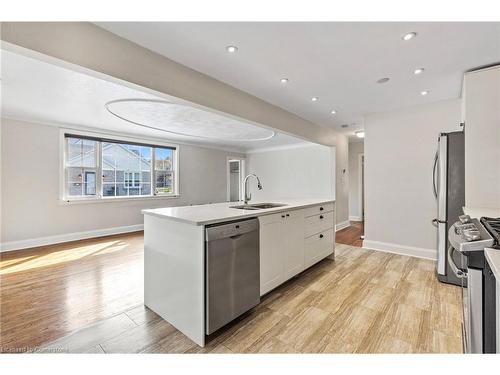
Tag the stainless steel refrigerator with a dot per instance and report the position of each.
(448, 180)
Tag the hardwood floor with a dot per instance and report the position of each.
(49, 292)
(363, 302)
(351, 235)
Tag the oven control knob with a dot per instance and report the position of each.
(471, 234)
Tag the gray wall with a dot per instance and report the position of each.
(305, 172)
(355, 149)
(399, 151)
(30, 186)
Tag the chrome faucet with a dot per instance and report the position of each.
(248, 196)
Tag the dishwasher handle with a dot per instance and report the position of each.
(231, 230)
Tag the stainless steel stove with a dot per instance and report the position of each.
(492, 225)
(470, 237)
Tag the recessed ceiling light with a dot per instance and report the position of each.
(360, 133)
(314, 99)
(284, 80)
(333, 112)
(232, 49)
(418, 71)
(424, 93)
(409, 36)
(383, 80)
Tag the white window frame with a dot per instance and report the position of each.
(64, 198)
(174, 171)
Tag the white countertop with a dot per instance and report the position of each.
(493, 258)
(478, 212)
(220, 212)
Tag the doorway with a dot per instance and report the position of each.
(235, 173)
(361, 169)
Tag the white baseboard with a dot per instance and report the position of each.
(355, 218)
(342, 225)
(50, 240)
(417, 252)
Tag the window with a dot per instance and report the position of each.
(127, 169)
(164, 174)
(81, 167)
(132, 179)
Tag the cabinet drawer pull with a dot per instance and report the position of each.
(283, 216)
(287, 215)
(321, 208)
(320, 236)
(321, 217)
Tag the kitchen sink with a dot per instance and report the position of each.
(258, 206)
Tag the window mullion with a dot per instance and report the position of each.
(153, 171)
(100, 171)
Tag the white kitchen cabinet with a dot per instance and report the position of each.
(281, 248)
(318, 246)
(319, 233)
(318, 223)
(290, 242)
(272, 266)
(293, 240)
(481, 114)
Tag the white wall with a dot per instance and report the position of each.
(342, 181)
(399, 151)
(298, 172)
(30, 188)
(355, 149)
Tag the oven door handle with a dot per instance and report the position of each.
(459, 273)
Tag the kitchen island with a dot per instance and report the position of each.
(293, 237)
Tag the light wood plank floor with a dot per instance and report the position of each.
(363, 302)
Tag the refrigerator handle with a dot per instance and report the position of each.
(434, 168)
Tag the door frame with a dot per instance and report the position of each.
(242, 161)
(361, 183)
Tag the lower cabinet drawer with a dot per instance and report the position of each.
(319, 223)
(319, 209)
(318, 247)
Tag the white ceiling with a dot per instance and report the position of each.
(337, 62)
(34, 90)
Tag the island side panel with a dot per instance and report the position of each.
(332, 255)
(174, 274)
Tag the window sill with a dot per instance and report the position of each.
(65, 202)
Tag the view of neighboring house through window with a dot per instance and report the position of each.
(164, 174)
(126, 169)
(81, 167)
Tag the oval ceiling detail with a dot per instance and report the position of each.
(184, 120)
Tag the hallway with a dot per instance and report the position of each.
(352, 234)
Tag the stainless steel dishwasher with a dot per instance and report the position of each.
(232, 271)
